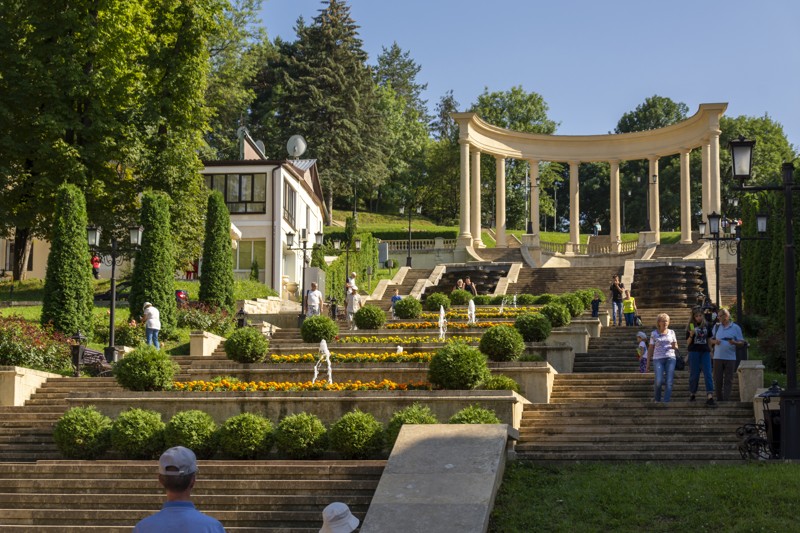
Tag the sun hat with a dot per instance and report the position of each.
(337, 518)
(183, 459)
(641, 335)
(146, 305)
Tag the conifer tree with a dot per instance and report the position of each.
(216, 272)
(154, 267)
(68, 289)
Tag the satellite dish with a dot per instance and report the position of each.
(296, 145)
(261, 146)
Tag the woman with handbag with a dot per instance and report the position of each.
(661, 352)
(629, 309)
(698, 334)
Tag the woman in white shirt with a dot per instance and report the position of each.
(661, 353)
(152, 324)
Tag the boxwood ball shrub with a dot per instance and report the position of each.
(436, 300)
(482, 299)
(457, 366)
(502, 343)
(245, 436)
(247, 345)
(138, 434)
(526, 299)
(534, 327)
(83, 433)
(460, 297)
(301, 436)
(408, 307)
(370, 317)
(146, 369)
(500, 382)
(356, 435)
(545, 298)
(317, 328)
(474, 415)
(573, 304)
(413, 414)
(193, 429)
(557, 313)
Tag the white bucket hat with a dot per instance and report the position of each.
(337, 518)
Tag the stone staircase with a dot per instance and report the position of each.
(501, 255)
(611, 417)
(412, 276)
(485, 278)
(727, 287)
(111, 496)
(561, 280)
(678, 250)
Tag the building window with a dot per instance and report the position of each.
(10, 259)
(247, 252)
(243, 193)
(289, 204)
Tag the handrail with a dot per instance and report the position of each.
(420, 244)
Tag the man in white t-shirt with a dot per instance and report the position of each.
(352, 281)
(313, 301)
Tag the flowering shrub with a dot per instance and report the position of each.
(24, 343)
(384, 357)
(198, 316)
(293, 386)
(130, 334)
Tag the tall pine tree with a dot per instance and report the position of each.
(68, 289)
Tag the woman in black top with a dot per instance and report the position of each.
(698, 334)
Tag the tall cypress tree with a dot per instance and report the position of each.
(68, 290)
(216, 272)
(154, 269)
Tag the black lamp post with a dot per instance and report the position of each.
(742, 162)
(337, 245)
(112, 259)
(419, 210)
(77, 347)
(304, 247)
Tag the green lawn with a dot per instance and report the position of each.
(654, 498)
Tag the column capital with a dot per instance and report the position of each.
(499, 157)
(613, 161)
(685, 150)
(653, 158)
(464, 141)
(574, 162)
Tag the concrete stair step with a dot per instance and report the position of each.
(62, 528)
(231, 487)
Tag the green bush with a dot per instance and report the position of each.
(146, 369)
(474, 415)
(24, 343)
(502, 343)
(301, 436)
(460, 297)
(153, 278)
(245, 436)
(457, 366)
(201, 317)
(128, 334)
(370, 317)
(436, 300)
(526, 299)
(408, 307)
(193, 429)
(356, 435)
(573, 304)
(531, 357)
(534, 327)
(413, 414)
(216, 278)
(317, 328)
(83, 433)
(247, 345)
(545, 298)
(482, 299)
(68, 298)
(586, 296)
(500, 382)
(138, 434)
(498, 299)
(557, 313)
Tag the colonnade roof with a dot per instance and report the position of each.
(688, 134)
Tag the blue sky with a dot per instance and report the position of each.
(591, 60)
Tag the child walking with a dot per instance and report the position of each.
(641, 351)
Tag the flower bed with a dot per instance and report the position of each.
(435, 325)
(225, 385)
(492, 312)
(396, 339)
(385, 357)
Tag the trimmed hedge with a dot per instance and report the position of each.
(436, 300)
(501, 382)
(408, 307)
(557, 313)
(370, 317)
(482, 299)
(146, 369)
(534, 327)
(474, 415)
(356, 435)
(458, 366)
(245, 436)
(301, 436)
(573, 303)
(413, 414)
(317, 328)
(83, 433)
(138, 434)
(502, 343)
(193, 429)
(460, 297)
(247, 345)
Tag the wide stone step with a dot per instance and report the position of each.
(620, 431)
(657, 446)
(63, 528)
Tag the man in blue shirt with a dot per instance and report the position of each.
(177, 472)
(726, 337)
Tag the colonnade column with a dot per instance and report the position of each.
(574, 207)
(500, 203)
(475, 200)
(716, 201)
(534, 177)
(655, 210)
(464, 236)
(614, 232)
(686, 205)
(704, 179)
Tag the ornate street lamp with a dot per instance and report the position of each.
(290, 244)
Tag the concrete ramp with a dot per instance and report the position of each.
(440, 477)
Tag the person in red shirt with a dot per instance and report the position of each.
(96, 266)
